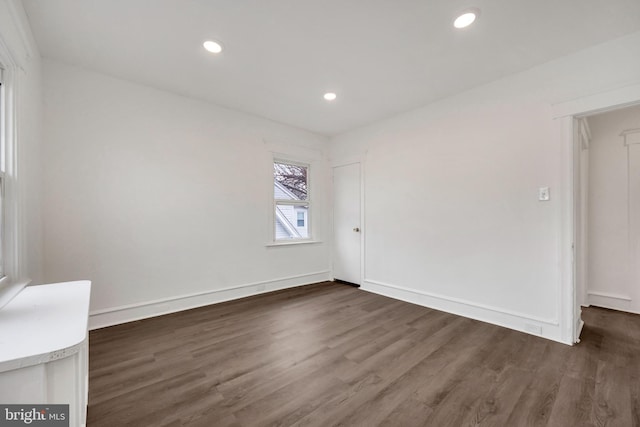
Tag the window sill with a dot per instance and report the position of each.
(292, 243)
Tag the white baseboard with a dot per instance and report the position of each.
(612, 301)
(609, 295)
(547, 328)
(129, 313)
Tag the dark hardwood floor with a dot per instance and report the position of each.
(330, 354)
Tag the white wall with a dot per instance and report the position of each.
(609, 270)
(452, 218)
(16, 35)
(145, 195)
(155, 197)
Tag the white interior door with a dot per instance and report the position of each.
(346, 223)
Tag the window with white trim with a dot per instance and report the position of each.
(3, 144)
(12, 278)
(291, 201)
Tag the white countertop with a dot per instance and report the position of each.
(44, 323)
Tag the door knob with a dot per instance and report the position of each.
(356, 229)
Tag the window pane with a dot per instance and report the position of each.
(290, 181)
(287, 225)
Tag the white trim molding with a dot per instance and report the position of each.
(291, 243)
(565, 113)
(567, 304)
(14, 246)
(631, 136)
(547, 328)
(598, 103)
(612, 301)
(585, 131)
(609, 295)
(143, 310)
(345, 161)
(293, 152)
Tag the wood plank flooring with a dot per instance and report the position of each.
(330, 354)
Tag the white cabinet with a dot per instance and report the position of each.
(44, 347)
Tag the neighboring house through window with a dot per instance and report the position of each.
(291, 200)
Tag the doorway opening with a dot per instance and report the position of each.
(573, 258)
(575, 239)
(607, 162)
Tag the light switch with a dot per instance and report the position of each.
(543, 194)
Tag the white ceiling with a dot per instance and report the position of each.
(381, 57)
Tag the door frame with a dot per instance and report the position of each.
(566, 114)
(582, 139)
(359, 160)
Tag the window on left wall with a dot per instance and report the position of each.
(3, 144)
(292, 201)
(11, 275)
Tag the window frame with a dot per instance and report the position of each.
(13, 278)
(307, 203)
(5, 134)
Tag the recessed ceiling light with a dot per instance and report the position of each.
(330, 96)
(466, 19)
(213, 47)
